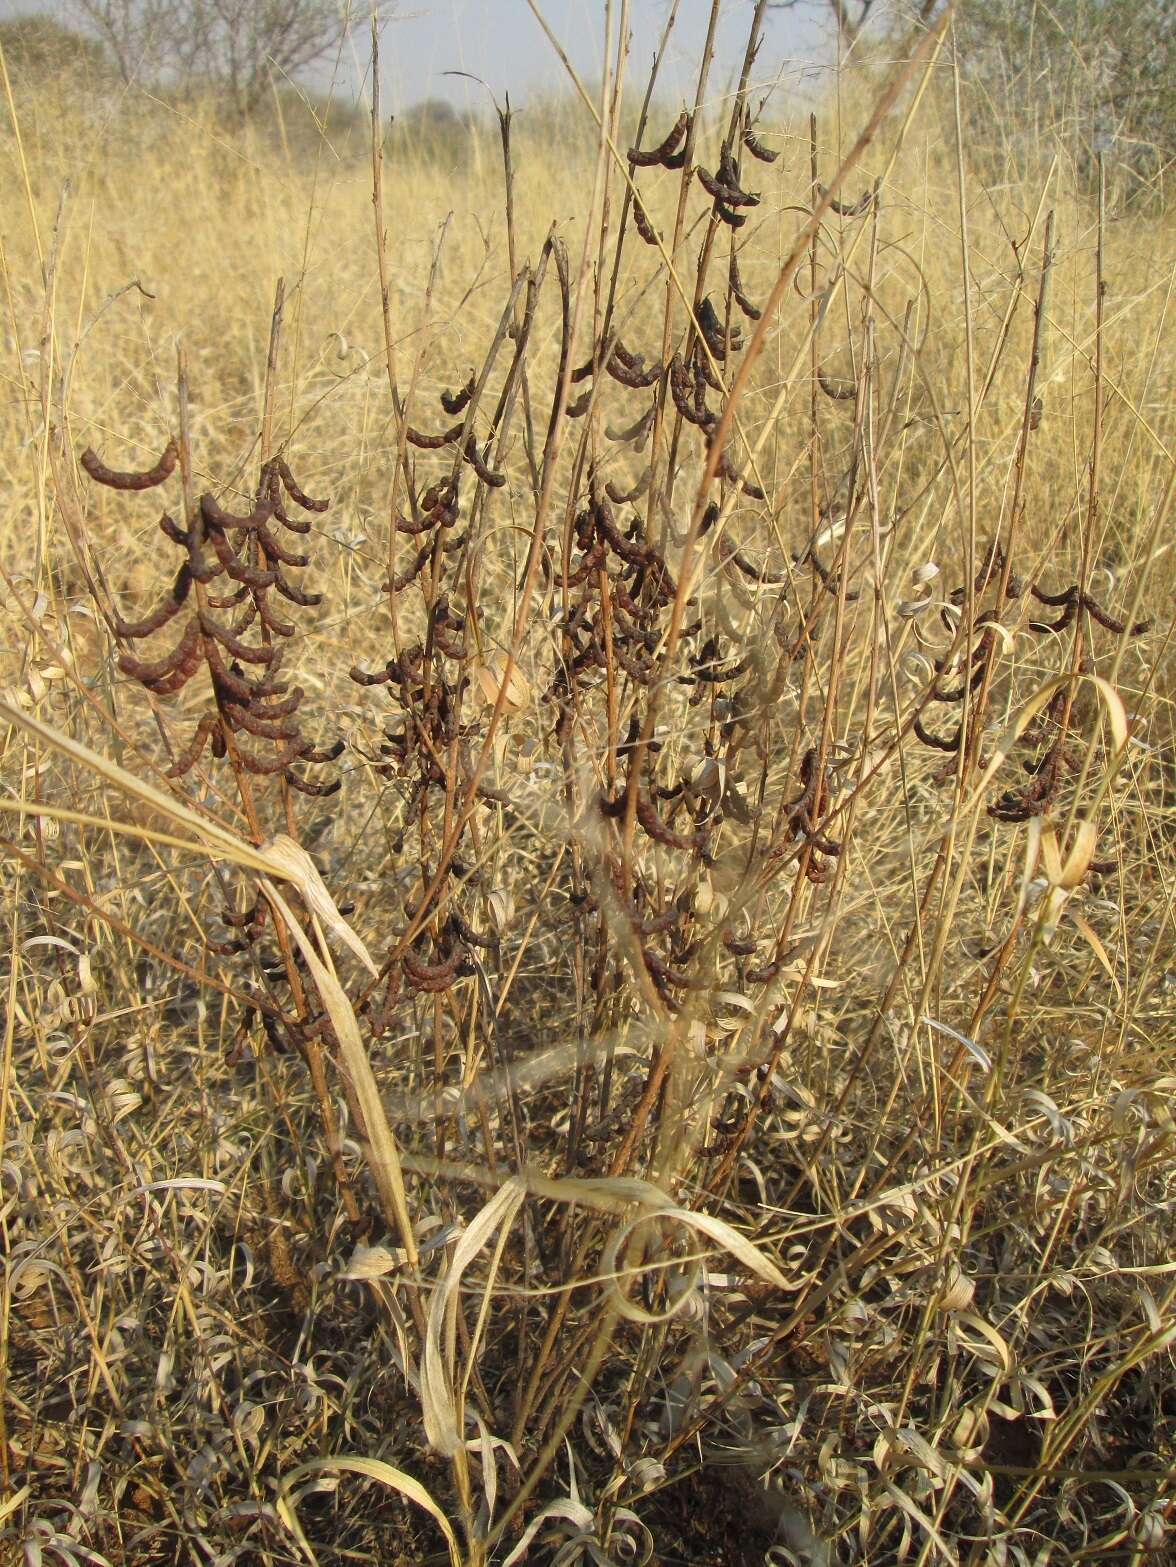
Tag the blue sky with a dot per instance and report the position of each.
(501, 42)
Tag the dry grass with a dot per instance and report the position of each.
(790, 1175)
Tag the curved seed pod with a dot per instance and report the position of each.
(456, 402)
(622, 497)
(239, 570)
(280, 628)
(300, 525)
(839, 391)
(660, 971)
(850, 209)
(1054, 600)
(657, 829)
(589, 562)
(675, 160)
(636, 554)
(635, 376)
(683, 393)
(229, 601)
(1119, 627)
(727, 470)
(756, 147)
(432, 443)
(202, 571)
(242, 650)
(580, 407)
(719, 339)
(642, 224)
(254, 916)
(736, 285)
(192, 752)
(216, 517)
(422, 525)
(362, 678)
(172, 530)
(725, 195)
(716, 674)
(295, 492)
(164, 611)
(147, 480)
(403, 578)
(637, 433)
(939, 742)
(733, 220)
(664, 149)
(304, 786)
(261, 728)
(325, 753)
(469, 935)
(296, 595)
(226, 682)
(274, 551)
(281, 709)
(266, 766)
(185, 655)
(432, 977)
(760, 575)
(478, 464)
(1066, 618)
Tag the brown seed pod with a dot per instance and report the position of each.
(248, 655)
(432, 977)
(147, 480)
(665, 149)
(736, 285)
(847, 209)
(939, 742)
(216, 517)
(727, 470)
(733, 220)
(657, 829)
(164, 611)
(267, 766)
(274, 551)
(184, 656)
(580, 407)
(296, 595)
(839, 391)
(239, 570)
(455, 403)
(192, 752)
(757, 148)
(304, 785)
(260, 728)
(325, 753)
(1119, 627)
(718, 339)
(294, 491)
(729, 196)
(280, 628)
(637, 433)
(642, 223)
(683, 393)
(622, 497)
(362, 678)
(432, 443)
(478, 464)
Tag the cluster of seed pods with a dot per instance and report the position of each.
(1055, 753)
(246, 561)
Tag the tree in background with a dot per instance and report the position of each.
(236, 45)
(1104, 70)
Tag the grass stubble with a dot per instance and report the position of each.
(591, 931)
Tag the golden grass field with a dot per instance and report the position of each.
(755, 1149)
